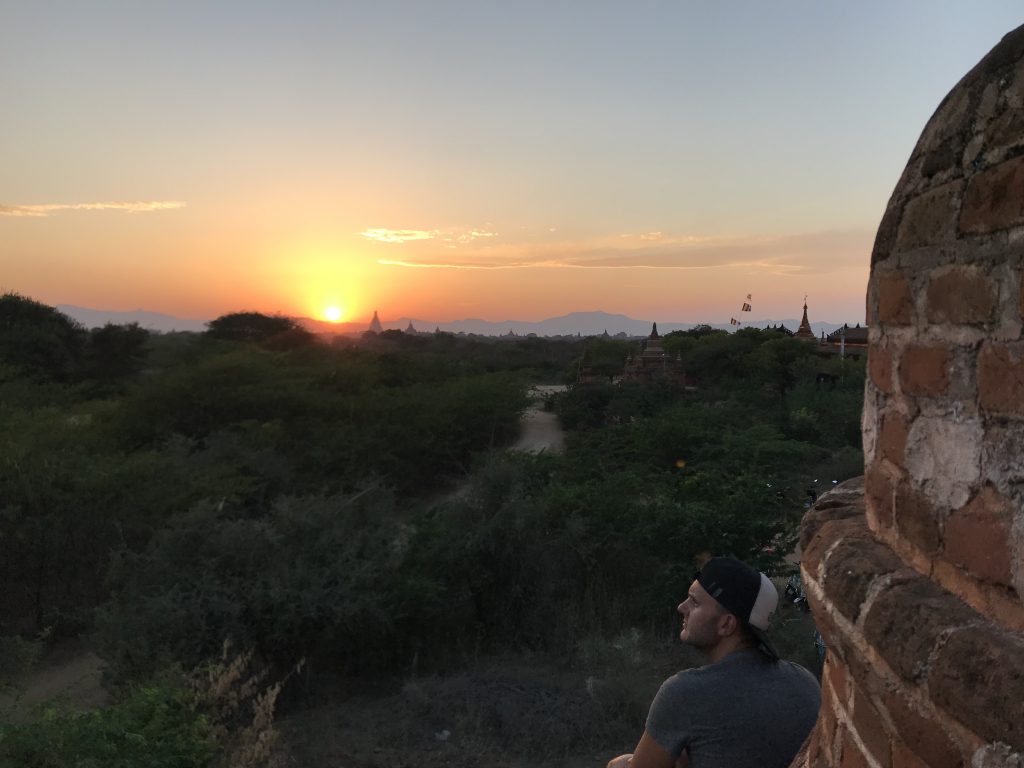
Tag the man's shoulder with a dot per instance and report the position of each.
(749, 668)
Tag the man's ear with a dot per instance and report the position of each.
(728, 624)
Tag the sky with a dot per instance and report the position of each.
(444, 160)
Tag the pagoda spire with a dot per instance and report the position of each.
(804, 331)
(375, 326)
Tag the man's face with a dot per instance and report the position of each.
(701, 614)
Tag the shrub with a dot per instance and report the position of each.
(156, 726)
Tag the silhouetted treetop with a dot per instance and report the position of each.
(276, 331)
(38, 339)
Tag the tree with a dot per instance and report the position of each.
(39, 340)
(274, 331)
(116, 351)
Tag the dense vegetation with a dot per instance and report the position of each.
(349, 504)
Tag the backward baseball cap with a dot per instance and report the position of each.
(745, 592)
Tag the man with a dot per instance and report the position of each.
(745, 707)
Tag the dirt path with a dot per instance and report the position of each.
(541, 430)
(70, 674)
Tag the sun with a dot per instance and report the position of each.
(333, 314)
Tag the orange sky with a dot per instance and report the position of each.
(513, 161)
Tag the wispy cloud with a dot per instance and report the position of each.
(791, 254)
(384, 235)
(449, 236)
(135, 206)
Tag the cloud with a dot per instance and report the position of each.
(454, 235)
(384, 235)
(126, 206)
(785, 255)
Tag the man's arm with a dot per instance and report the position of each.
(649, 754)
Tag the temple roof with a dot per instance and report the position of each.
(804, 331)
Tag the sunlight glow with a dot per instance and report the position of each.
(333, 314)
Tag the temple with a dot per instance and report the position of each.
(804, 332)
(375, 326)
(653, 363)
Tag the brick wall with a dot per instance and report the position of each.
(915, 572)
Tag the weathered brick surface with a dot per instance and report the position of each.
(978, 678)
(885, 238)
(878, 493)
(906, 620)
(895, 302)
(930, 219)
(1004, 459)
(927, 735)
(1001, 378)
(825, 625)
(916, 520)
(852, 756)
(977, 537)
(880, 368)
(828, 726)
(994, 199)
(892, 441)
(924, 370)
(836, 674)
(870, 728)
(997, 602)
(851, 568)
(961, 295)
(943, 458)
(849, 507)
(903, 757)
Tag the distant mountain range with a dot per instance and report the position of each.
(581, 323)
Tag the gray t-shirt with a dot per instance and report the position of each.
(743, 711)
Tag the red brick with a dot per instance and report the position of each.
(813, 749)
(906, 621)
(902, 757)
(871, 728)
(880, 367)
(852, 757)
(853, 565)
(835, 673)
(878, 498)
(824, 624)
(892, 440)
(924, 735)
(827, 727)
(961, 296)
(924, 370)
(1001, 378)
(994, 199)
(895, 303)
(916, 520)
(998, 603)
(930, 219)
(978, 679)
(977, 537)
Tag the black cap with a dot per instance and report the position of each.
(744, 592)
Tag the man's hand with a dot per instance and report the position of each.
(622, 761)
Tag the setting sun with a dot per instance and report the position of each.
(333, 314)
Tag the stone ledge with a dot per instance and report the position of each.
(895, 630)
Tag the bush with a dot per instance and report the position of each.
(155, 726)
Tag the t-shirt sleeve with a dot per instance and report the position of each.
(669, 720)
